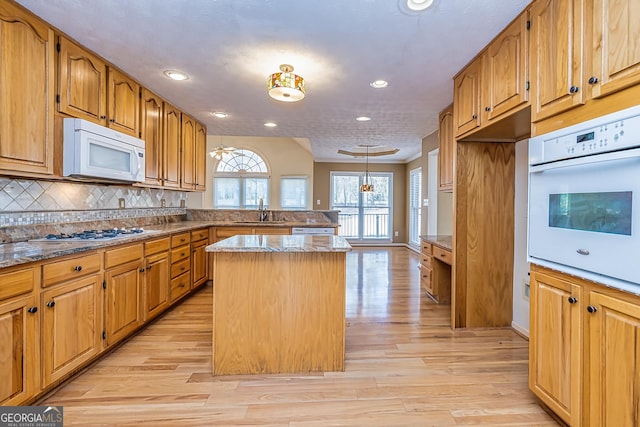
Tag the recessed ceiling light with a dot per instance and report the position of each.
(379, 84)
(219, 114)
(270, 124)
(363, 119)
(419, 4)
(176, 75)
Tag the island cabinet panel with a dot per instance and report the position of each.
(278, 312)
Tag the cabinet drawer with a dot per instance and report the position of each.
(158, 245)
(113, 257)
(180, 239)
(426, 261)
(426, 248)
(224, 232)
(426, 279)
(199, 235)
(17, 282)
(180, 253)
(180, 286)
(70, 268)
(442, 255)
(180, 267)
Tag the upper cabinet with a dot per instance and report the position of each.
(82, 90)
(27, 55)
(124, 103)
(446, 149)
(200, 158)
(616, 46)
(557, 31)
(171, 146)
(188, 178)
(151, 132)
(494, 86)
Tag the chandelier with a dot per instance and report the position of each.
(220, 151)
(286, 86)
(366, 186)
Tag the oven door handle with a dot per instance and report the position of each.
(597, 158)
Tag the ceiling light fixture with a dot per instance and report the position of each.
(176, 75)
(219, 114)
(379, 84)
(363, 119)
(286, 86)
(220, 151)
(270, 124)
(418, 4)
(366, 186)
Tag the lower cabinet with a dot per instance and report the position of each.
(199, 260)
(180, 265)
(435, 272)
(584, 350)
(71, 326)
(156, 277)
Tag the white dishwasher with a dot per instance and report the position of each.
(313, 230)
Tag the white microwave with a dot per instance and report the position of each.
(91, 151)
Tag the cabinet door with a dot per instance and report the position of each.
(555, 345)
(466, 98)
(504, 78)
(123, 309)
(156, 284)
(556, 57)
(188, 180)
(616, 46)
(151, 132)
(200, 160)
(199, 265)
(446, 149)
(171, 141)
(614, 362)
(19, 361)
(71, 326)
(124, 103)
(83, 83)
(27, 56)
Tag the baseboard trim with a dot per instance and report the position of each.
(524, 333)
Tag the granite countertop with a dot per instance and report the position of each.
(37, 250)
(440, 240)
(279, 243)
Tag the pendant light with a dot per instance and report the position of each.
(366, 186)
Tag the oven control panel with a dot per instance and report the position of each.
(616, 131)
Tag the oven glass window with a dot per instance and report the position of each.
(608, 212)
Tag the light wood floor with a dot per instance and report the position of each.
(404, 367)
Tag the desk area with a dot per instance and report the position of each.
(435, 267)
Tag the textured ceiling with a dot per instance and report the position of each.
(228, 47)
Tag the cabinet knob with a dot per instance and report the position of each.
(182, 285)
(112, 120)
(573, 89)
(149, 267)
(103, 117)
(487, 109)
(142, 270)
(32, 309)
(573, 300)
(592, 309)
(593, 80)
(474, 117)
(51, 304)
(78, 268)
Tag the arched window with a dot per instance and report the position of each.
(241, 180)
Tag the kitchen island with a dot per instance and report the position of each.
(279, 304)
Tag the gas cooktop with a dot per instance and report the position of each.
(92, 235)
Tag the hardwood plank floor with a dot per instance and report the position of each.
(404, 367)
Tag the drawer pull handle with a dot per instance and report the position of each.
(592, 309)
(182, 254)
(78, 268)
(182, 268)
(51, 304)
(182, 285)
(32, 309)
(573, 300)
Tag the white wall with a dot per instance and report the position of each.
(520, 320)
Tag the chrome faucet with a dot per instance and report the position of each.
(264, 214)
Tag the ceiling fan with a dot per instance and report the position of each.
(220, 151)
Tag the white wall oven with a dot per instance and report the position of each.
(584, 200)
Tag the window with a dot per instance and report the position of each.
(293, 192)
(240, 181)
(415, 210)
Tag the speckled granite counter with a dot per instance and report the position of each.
(440, 240)
(296, 243)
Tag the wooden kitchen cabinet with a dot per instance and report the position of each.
(156, 277)
(446, 145)
(71, 326)
(171, 145)
(199, 264)
(200, 157)
(151, 133)
(27, 55)
(557, 58)
(466, 98)
(123, 96)
(180, 265)
(616, 56)
(123, 292)
(555, 345)
(435, 272)
(82, 83)
(188, 160)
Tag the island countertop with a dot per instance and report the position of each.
(281, 243)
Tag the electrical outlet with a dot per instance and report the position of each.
(121, 204)
(318, 202)
(395, 233)
(163, 203)
(526, 288)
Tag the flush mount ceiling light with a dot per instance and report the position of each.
(219, 114)
(220, 151)
(379, 84)
(270, 124)
(176, 75)
(363, 119)
(418, 5)
(286, 86)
